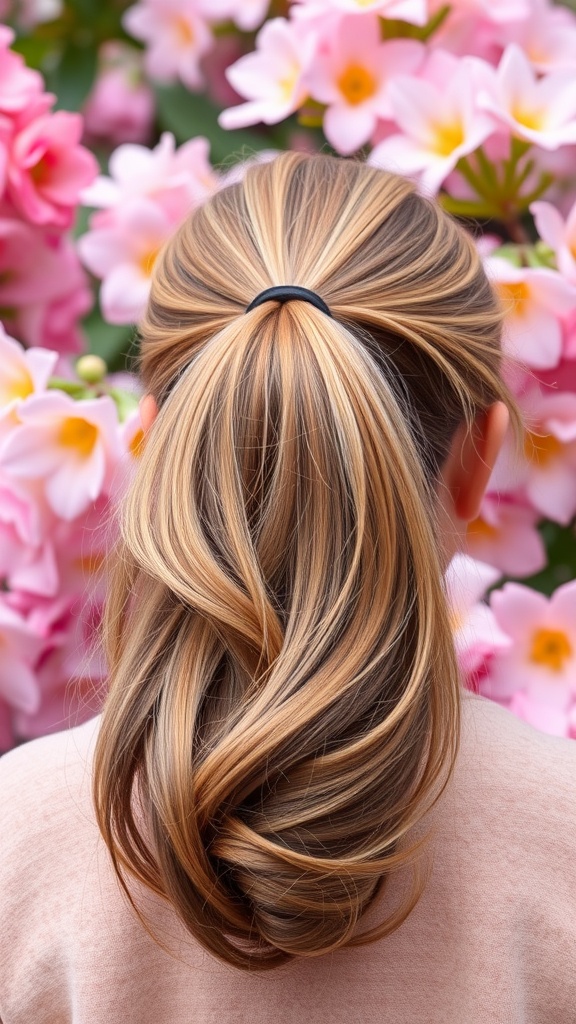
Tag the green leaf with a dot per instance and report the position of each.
(125, 401)
(188, 114)
(86, 10)
(36, 49)
(560, 544)
(73, 75)
(511, 252)
(115, 343)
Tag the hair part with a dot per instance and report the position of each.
(283, 706)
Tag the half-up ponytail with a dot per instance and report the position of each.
(284, 694)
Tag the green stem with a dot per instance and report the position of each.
(545, 182)
(524, 174)
(434, 24)
(517, 232)
(466, 207)
(518, 148)
(487, 169)
(481, 187)
(70, 387)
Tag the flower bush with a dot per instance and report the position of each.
(115, 121)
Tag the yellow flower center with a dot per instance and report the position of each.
(541, 448)
(136, 445)
(479, 528)
(533, 119)
(89, 564)
(148, 259)
(516, 293)
(184, 30)
(287, 84)
(79, 434)
(357, 84)
(41, 173)
(447, 137)
(17, 387)
(550, 648)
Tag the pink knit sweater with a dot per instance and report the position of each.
(493, 939)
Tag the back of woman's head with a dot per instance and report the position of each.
(283, 704)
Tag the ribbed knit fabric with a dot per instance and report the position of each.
(493, 939)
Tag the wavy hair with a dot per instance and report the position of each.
(283, 706)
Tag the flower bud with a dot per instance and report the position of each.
(91, 368)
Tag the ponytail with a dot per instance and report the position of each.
(284, 694)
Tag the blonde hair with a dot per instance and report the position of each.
(284, 693)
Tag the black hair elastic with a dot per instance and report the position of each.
(285, 292)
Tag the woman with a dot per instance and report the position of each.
(286, 774)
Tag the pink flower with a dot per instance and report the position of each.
(7, 737)
(547, 35)
(70, 671)
(81, 546)
(176, 35)
(415, 11)
(476, 633)
(22, 508)
(570, 347)
(35, 12)
(132, 437)
(495, 11)
(29, 270)
(65, 702)
(25, 567)
(563, 376)
(28, 546)
(176, 179)
(540, 714)
(440, 124)
(43, 290)
(546, 475)
(541, 661)
(55, 321)
(539, 110)
(572, 721)
(226, 50)
(71, 446)
(22, 373)
(247, 15)
(352, 75)
(19, 85)
(535, 299)
(123, 253)
(560, 235)
(271, 78)
(504, 535)
(120, 107)
(47, 169)
(19, 646)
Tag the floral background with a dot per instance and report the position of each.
(116, 120)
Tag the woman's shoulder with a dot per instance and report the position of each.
(515, 787)
(44, 784)
(506, 772)
(494, 740)
(500, 758)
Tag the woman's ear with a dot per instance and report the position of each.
(470, 462)
(148, 411)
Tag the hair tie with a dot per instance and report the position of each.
(285, 292)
